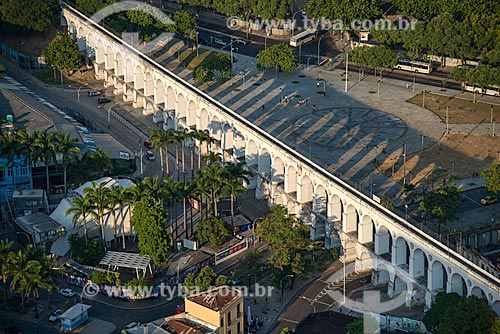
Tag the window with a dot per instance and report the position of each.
(238, 310)
(24, 170)
(238, 328)
(9, 172)
(222, 322)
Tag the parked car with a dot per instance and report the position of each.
(12, 330)
(219, 42)
(129, 326)
(103, 100)
(93, 92)
(66, 292)
(203, 41)
(54, 316)
(150, 155)
(148, 144)
(240, 41)
(490, 199)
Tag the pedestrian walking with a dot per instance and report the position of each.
(314, 107)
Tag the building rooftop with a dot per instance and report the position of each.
(183, 326)
(37, 223)
(217, 298)
(75, 311)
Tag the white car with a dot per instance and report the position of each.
(66, 292)
(150, 155)
(54, 316)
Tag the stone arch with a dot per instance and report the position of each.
(251, 153)
(90, 48)
(181, 109)
(335, 208)
(72, 29)
(364, 262)
(170, 100)
(109, 58)
(383, 241)
(351, 252)
(216, 130)
(419, 264)
(264, 162)
(100, 52)
(320, 201)
(437, 277)
(139, 78)
(129, 70)
(81, 40)
(191, 115)
(119, 68)
(365, 230)
(278, 170)
(291, 181)
(457, 284)
(401, 253)
(239, 145)
(149, 84)
(479, 293)
(496, 307)
(351, 219)
(381, 275)
(305, 190)
(159, 93)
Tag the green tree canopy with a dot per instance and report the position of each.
(63, 53)
(492, 177)
(474, 314)
(442, 203)
(212, 230)
(286, 237)
(93, 6)
(31, 14)
(211, 66)
(345, 10)
(279, 55)
(89, 253)
(185, 23)
(149, 219)
(203, 280)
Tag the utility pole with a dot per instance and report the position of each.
(447, 123)
(404, 163)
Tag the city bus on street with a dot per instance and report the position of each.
(416, 66)
(303, 37)
(485, 90)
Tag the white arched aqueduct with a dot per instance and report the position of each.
(337, 213)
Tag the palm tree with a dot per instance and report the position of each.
(80, 208)
(49, 276)
(216, 177)
(200, 190)
(80, 168)
(135, 192)
(26, 146)
(100, 160)
(184, 190)
(213, 157)
(170, 192)
(18, 262)
(66, 146)
(160, 140)
(45, 151)
(203, 136)
(153, 188)
(182, 135)
(120, 196)
(232, 187)
(5, 268)
(238, 171)
(99, 197)
(35, 282)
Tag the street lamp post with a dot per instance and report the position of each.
(108, 110)
(293, 19)
(254, 228)
(319, 43)
(197, 45)
(281, 286)
(78, 91)
(265, 41)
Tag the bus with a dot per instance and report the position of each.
(486, 90)
(303, 37)
(414, 66)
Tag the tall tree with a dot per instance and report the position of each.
(31, 14)
(101, 205)
(10, 148)
(66, 147)
(160, 140)
(345, 10)
(80, 209)
(212, 230)
(185, 23)
(442, 203)
(439, 306)
(45, 151)
(5, 267)
(120, 196)
(149, 219)
(26, 147)
(286, 237)
(100, 161)
(63, 53)
(492, 177)
(50, 275)
(279, 56)
(216, 177)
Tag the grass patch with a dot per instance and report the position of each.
(371, 92)
(320, 92)
(295, 82)
(256, 84)
(193, 61)
(460, 110)
(47, 76)
(344, 79)
(237, 90)
(297, 96)
(320, 79)
(302, 76)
